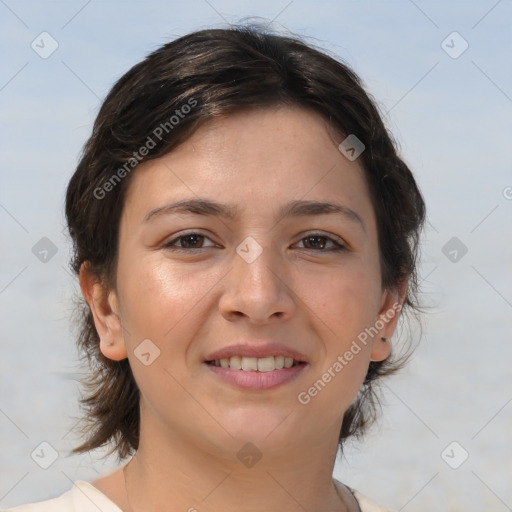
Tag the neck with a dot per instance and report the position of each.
(182, 476)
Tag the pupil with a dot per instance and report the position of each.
(190, 238)
(311, 240)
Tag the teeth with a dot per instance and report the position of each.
(235, 363)
(253, 364)
(266, 364)
(249, 364)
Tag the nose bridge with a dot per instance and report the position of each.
(257, 283)
(256, 267)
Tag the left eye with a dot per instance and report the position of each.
(319, 242)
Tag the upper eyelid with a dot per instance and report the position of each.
(334, 238)
(338, 243)
(177, 237)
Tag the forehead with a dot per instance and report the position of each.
(257, 159)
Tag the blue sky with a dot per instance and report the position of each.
(451, 117)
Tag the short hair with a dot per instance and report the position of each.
(197, 77)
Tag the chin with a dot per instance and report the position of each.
(266, 428)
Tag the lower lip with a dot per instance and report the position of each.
(257, 380)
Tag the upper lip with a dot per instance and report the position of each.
(258, 350)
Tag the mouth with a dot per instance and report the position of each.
(256, 374)
(256, 364)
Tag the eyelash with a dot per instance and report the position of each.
(338, 247)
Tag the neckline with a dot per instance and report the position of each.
(83, 486)
(346, 492)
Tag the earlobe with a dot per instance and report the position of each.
(381, 348)
(387, 320)
(105, 311)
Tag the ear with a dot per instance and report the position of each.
(386, 322)
(105, 311)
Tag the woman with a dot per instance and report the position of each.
(245, 237)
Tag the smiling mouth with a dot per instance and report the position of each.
(256, 364)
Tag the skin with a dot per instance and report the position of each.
(193, 302)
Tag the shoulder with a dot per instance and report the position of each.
(78, 499)
(366, 504)
(63, 503)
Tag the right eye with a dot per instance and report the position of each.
(191, 240)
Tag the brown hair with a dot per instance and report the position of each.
(166, 97)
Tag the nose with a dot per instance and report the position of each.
(258, 291)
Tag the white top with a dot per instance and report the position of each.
(84, 497)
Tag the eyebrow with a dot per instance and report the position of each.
(204, 206)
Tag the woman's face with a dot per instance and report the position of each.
(253, 264)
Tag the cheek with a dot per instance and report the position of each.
(343, 305)
(160, 299)
(160, 302)
(344, 301)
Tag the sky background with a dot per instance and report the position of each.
(446, 97)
